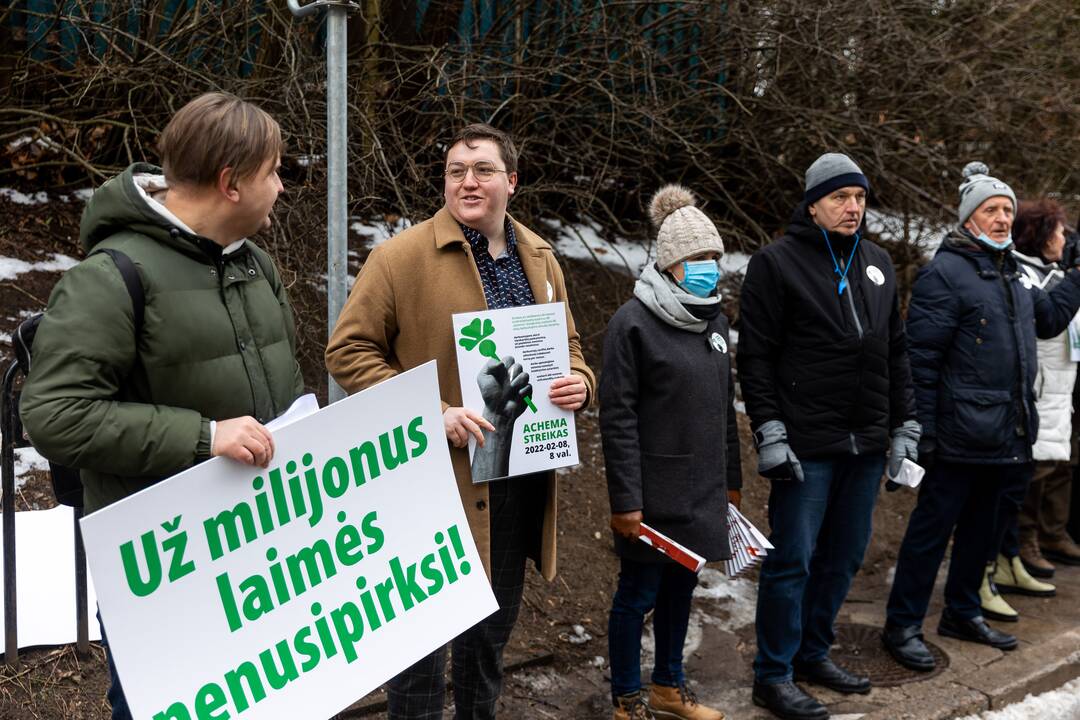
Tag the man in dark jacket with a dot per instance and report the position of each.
(973, 321)
(824, 369)
(215, 357)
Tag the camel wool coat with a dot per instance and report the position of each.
(398, 316)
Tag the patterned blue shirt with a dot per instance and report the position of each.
(505, 284)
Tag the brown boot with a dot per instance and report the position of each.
(679, 703)
(1062, 550)
(632, 707)
(1034, 561)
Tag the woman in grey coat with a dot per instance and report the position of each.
(671, 448)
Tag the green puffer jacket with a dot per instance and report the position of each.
(217, 342)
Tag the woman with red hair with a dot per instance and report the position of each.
(1033, 525)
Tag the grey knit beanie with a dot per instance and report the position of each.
(978, 187)
(682, 229)
(832, 171)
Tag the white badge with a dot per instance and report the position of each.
(1026, 282)
(718, 343)
(876, 276)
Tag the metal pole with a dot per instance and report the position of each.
(337, 158)
(337, 128)
(7, 461)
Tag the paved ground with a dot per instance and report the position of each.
(978, 677)
(721, 647)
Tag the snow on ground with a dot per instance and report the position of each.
(377, 231)
(1060, 704)
(10, 268)
(42, 197)
(924, 233)
(27, 459)
(731, 604)
(585, 240)
(38, 198)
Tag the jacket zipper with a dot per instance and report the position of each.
(859, 329)
(251, 381)
(1021, 405)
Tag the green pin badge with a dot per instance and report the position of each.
(476, 335)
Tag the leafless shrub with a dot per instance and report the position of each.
(608, 99)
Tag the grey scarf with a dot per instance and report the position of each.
(666, 299)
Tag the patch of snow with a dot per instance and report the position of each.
(540, 681)
(10, 268)
(379, 231)
(586, 240)
(734, 263)
(1060, 704)
(738, 595)
(926, 234)
(38, 198)
(27, 459)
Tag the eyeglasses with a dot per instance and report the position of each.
(482, 171)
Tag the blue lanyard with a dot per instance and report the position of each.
(836, 266)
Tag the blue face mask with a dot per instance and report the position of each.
(985, 240)
(700, 277)
(988, 242)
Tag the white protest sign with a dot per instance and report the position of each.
(507, 360)
(291, 592)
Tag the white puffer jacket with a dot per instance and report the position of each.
(1057, 372)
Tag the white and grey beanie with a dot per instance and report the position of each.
(978, 187)
(682, 229)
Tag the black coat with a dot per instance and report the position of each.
(832, 367)
(667, 416)
(973, 323)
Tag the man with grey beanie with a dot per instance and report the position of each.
(973, 321)
(824, 370)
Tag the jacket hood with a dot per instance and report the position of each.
(122, 205)
(1035, 261)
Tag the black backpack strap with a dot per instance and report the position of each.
(133, 284)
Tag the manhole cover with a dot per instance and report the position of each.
(858, 648)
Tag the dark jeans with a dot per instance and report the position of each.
(1007, 525)
(666, 588)
(957, 500)
(115, 694)
(820, 528)
(419, 692)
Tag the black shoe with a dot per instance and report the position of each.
(905, 644)
(975, 630)
(788, 702)
(828, 674)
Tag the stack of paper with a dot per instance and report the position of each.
(748, 545)
(682, 555)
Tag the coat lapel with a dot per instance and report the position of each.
(532, 261)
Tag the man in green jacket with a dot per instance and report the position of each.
(215, 357)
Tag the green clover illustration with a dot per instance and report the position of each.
(475, 335)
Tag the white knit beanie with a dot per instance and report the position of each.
(682, 229)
